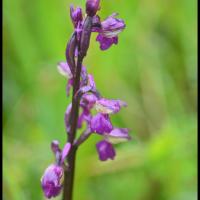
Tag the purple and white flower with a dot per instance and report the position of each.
(51, 180)
(109, 106)
(108, 33)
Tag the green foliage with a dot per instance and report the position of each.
(153, 69)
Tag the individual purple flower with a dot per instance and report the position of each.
(51, 181)
(108, 34)
(117, 135)
(112, 26)
(92, 6)
(87, 103)
(105, 150)
(101, 124)
(76, 15)
(109, 106)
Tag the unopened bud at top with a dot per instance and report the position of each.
(92, 6)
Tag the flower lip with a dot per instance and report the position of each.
(106, 42)
(105, 150)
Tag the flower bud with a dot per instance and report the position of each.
(92, 6)
(51, 179)
(118, 135)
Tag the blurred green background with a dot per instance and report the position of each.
(153, 69)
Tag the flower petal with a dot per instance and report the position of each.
(91, 81)
(108, 106)
(101, 124)
(64, 69)
(65, 151)
(105, 42)
(76, 15)
(112, 26)
(118, 135)
(70, 52)
(105, 150)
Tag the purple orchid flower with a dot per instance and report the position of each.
(108, 34)
(112, 26)
(105, 147)
(51, 179)
(109, 106)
